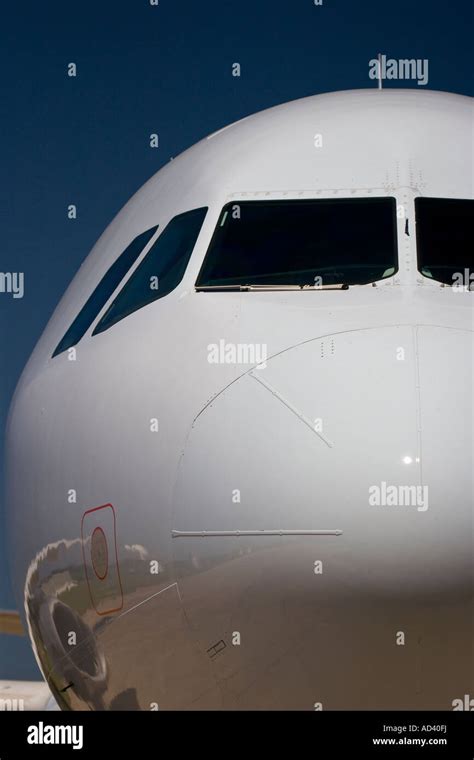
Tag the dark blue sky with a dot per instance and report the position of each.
(165, 69)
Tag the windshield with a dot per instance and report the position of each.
(444, 237)
(344, 241)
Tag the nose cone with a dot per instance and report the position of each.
(366, 432)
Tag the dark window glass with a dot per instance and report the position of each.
(161, 270)
(444, 238)
(341, 241)
(104, 290)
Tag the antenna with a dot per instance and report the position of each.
(379, 71)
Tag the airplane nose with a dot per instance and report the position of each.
(362, 438)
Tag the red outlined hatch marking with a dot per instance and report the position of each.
(99, 550)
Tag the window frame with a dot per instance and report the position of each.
(140, 261)
(149, 241)
(326, 198)
(416, 201)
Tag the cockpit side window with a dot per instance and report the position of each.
(343, 241)
(445, 239)
(103, 291)
(161, 270)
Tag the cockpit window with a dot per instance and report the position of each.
(104, 290)
(161, 270)
(344, 241)
(445, 240)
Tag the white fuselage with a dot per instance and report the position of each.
(329, 491)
